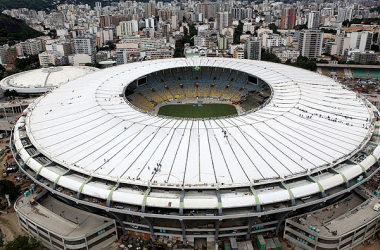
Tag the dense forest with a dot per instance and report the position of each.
(12, 29)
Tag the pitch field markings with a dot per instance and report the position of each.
(197, 111)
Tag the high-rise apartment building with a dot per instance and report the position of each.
(105, 21)
(127, 28)
(208, 9)
(252, 49)
(12, 55)
(150, 9)
(288, 18)
(85, 45)
(313, 20)
(3, 54)
(361, 40)
(174, 22)
(345, 14)
(223, 20)
(310, 43)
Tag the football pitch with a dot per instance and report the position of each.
(197, 110)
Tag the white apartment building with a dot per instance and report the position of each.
(310, 43)
(361, 40)
(47, 58)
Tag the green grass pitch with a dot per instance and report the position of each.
(195, 111)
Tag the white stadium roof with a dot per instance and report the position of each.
(310, 123)
(41, 80)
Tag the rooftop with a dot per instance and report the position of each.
(50, 212)
(41, 80)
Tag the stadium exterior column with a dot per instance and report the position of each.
(117, 217)
(217, 226)
(251, 220)
(149, 221)
(281, 218)
(183, 231)
(220, 212)
(181, 198)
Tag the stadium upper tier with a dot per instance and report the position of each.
(85, 130)
(41, 80)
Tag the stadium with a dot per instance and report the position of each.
(293, 140)
(38, 81)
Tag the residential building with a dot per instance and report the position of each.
(199, 41)
(29, 47)
(12, 55)
(238, 53)
(223, 44)
(313, 20)
(285, 55)
(274, 40)
(208, 9)
(345, 14)
(85, 45)
(310, 43)
(47, 58)
(361, 40)
(174, 22)
(150, 9)
(362, 57)
(127, 28)
(121, 57)
(223, 20)
(3, 54)
(62, 48)
(252, 49)
(288, 18)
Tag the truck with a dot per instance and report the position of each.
(376, 207)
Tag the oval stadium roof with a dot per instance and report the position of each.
(41, 80)
(310, 123)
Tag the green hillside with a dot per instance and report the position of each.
(30, 4)
(12, 29)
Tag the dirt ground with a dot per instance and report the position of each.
(9, 226)
(8, 222)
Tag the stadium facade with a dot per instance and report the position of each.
(90, 147)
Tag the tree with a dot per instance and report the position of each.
(345, 23)
(23, 243)
(8, 187)
(332, 31)
(305, 63)
(193, 30)
(237, 33)
(323, 61)
(270, 57)
(111, 45)
(274, 28)
(300, 27)
(22, 63)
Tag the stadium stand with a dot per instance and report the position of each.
(164, 92)
(176, 91)
(374, 73)
(360, 73)
(191, 83)
(341, 73)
